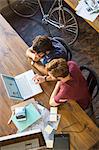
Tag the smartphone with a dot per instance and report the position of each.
(61, 142)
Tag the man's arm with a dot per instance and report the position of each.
(40, 79)
(33, 56)
(37, 65)
(29, 53)
(40, 68)
(58, 94)
(54, 93)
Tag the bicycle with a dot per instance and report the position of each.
(60, 20)
(23, 8)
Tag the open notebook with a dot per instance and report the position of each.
(21, 86)
(32, 116)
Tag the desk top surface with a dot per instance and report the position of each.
(83, 132)
(94, 24)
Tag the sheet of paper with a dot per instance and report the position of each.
(55, 124)
(32, 116)
(85, 11)
(49, 143)
(48, 129)
(43, 122)
(53, 110)
(53, 117)
(53, 114)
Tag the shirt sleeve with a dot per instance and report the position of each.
(61, 94)
(60, 51)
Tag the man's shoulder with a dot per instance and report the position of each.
(73, 66)
(71, 62)
(57, 45)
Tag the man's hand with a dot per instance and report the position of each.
(35, 57)
(63, 100)
(39, 79)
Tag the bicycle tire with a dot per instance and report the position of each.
(24, 8)
(70, 31)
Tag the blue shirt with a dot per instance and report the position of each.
(57, 52)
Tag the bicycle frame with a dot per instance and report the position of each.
(46, 16)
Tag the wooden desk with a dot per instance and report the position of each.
(83, 132)
(13, 62)
(73, 4)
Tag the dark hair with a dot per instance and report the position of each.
(58, 67)
(42, 44)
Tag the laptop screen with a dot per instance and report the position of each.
(61, 142)
(11, 87)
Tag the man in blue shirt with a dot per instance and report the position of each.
(43, 50)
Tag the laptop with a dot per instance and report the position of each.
(61, 142)
(22, 86)
(28, 140)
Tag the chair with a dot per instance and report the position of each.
(93, 84)
(67, 48)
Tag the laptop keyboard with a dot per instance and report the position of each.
(24, 86)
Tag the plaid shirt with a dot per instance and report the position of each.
(58, 52)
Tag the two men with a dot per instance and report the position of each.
(70, 81)
(43, 50)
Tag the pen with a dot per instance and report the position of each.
(9, 121)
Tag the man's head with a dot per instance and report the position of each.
(42, 44)
(57, 68)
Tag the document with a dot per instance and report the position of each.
(32, 116)
(43, 123)
(88, 9)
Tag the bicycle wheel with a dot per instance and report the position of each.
(69, 27)
(23, 8)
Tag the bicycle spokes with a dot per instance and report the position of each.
(65, 23)
(60, 20)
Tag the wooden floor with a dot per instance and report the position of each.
(85, 50)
